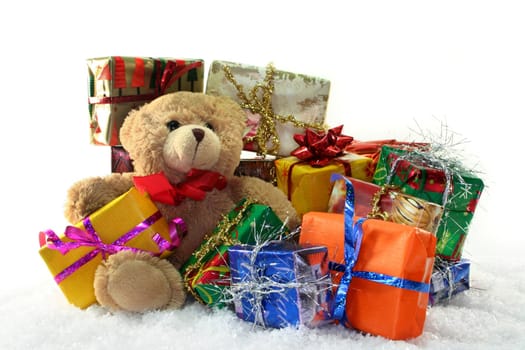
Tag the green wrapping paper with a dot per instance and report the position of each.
(119, 84)
(459, 194)
(207, 273)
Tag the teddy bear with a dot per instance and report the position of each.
(181, 136)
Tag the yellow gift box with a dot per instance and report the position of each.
(129, 222)
(308, 188)
(359, 165)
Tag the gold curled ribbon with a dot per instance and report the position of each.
(266, 132)
(220, 236)
(376, 212)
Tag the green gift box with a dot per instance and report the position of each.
(458, 190)
(207, 273)
(119, 84)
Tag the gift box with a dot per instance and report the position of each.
(326, 229)
(381, 202)
(372, 150)
(448, 279)
(119, 84)
(278, 104)
(363, 200)
(129, 222)
(384, 281)
(280, 284)
(120, 160)
(257, 166)
(307, 187)
(305, 176)
(206, 273)
(457, 190)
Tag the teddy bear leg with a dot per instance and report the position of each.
(138, 282)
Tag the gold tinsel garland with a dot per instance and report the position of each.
(266, 130)
(220, 236)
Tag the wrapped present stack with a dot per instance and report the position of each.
(383, 225)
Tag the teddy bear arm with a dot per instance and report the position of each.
(267, 194)
(89, 194)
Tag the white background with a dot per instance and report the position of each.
(393, 65)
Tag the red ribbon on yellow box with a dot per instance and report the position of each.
(73, 257)
(384, 279)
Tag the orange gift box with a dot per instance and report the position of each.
(387, 287)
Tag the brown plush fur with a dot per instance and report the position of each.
(146, 136)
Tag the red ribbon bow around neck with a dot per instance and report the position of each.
(197, 183)
(319, 148)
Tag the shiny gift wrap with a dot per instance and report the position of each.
(381, 202)
(384, 281)
(307, 187)
(458, 191)
(257, 166)
(277, 105)
(119, 84)
(207, 273)
(120, 160)
(129, 222)
(448, 279)
(280, 284)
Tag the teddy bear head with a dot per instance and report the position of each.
(181, 131)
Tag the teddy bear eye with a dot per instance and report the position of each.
(209, 126)
(172, 125)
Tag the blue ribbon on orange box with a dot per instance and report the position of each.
(353, 238)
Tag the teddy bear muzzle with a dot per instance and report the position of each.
(191, 146)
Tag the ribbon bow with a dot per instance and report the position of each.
(197, 183)
(90, 238)
(319, 148)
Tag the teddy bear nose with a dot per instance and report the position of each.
(198, 133)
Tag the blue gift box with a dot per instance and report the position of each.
(280, 284)
(448, 279)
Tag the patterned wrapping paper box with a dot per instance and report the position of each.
(415, 178)
(448, 280)
(281, 284)
(379, 202)
(119, 84)
(206, 273)
(364, 195)
(384, 285)
(131, 220)
(303, 97)
(257, 166)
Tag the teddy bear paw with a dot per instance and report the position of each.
(138, 282)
